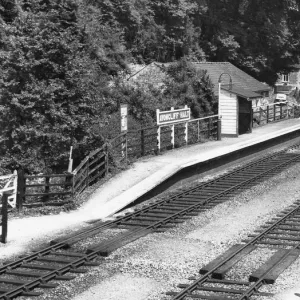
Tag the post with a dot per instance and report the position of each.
(208, 128)
(280, 117)
(186, 129)
(251, 120)
(267, 114)
(274, 112)
(106, 159)
(4, 218)
(158, 139)
(219, 129)
(219, 90)
(87, 172)
(186, 133)
(47, 189)
(260, 114)
(126, 148)
(21, 188)
(70, 160)
(173, 133)
(142, 142)
(198, 123)
(73, 185)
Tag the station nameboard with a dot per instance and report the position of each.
(173, 116)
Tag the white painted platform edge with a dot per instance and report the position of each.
(163, 174)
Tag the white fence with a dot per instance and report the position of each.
(10, 184)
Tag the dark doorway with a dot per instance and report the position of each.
(245, 112)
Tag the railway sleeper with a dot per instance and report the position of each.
(22, 293)
(273, 236)
(223, 290)
(38, 274)
(223, 281)
(185, 215)
(220, 272)
(274, 266)
(186, 203)
(284, 232)
(21, 282)
(104, 249)
(284, 227)
(272, 243)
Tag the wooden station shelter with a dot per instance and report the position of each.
(235, 109)
(239, 94)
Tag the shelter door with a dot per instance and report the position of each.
(245, 115)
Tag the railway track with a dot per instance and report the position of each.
(283, 231)
(58, 263)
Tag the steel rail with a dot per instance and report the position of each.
(181, 295)
(209, 199)
(92, 255)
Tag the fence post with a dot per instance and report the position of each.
(158, 139)
(106, 159)
(4, 217)
(219, 129)
(198, 123)
(21, 187)
(280, 117)
(73, 185)
(274, 112)
(186, 133)
(208, 128)
(126, 147)
(260, 114)
(47, 189)
(142, 142)
(87, 181)
(251, 121)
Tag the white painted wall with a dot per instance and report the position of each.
(228, 110)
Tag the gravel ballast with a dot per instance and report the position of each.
(149, 267)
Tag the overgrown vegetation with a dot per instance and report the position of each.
(61, 60)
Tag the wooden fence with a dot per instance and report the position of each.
(272, 112)
(56, 189)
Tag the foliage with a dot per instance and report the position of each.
(61, 60)
(191, 87)
(44, 106)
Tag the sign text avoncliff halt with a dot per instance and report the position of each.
(173, 116)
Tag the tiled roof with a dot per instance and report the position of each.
(240, 79)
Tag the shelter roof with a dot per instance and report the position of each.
(241, 92)
(240, 79)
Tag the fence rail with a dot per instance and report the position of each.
(127, 145)
(272, 112)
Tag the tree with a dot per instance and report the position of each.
(189, 86)
(44, 107)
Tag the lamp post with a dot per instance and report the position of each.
(230, 87)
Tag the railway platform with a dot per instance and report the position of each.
(139, 179)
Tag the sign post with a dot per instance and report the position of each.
(124, 127)
(169, 118)
(173, 133)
